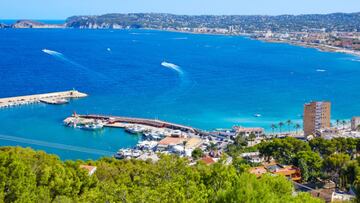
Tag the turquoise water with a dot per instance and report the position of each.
(209, 82)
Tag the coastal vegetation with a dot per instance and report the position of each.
(335, 159)
(34, 176)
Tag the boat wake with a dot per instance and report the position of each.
(172, 66)
(181, 89)
(63, 58)
(138, 33)
(51, 52)
(55, 145)
(180, 38)
(320, 70)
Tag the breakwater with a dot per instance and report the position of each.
(36, 98)
(142, 121)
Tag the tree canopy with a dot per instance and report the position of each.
(34, 176)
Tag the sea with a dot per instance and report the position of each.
(205, 81)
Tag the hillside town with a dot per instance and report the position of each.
(248, 144)
(329, 32)
(343, 42)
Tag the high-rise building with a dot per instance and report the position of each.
(316, 116)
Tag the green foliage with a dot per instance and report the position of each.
(318, 158)
(339, 145)
(283, 150)
(334, 163)
(197, 153)
(304, 170)
(310, 164)
(266, 189)
(240, 140)
(240, 145)
(30, 176)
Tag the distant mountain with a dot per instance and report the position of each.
(236, 23)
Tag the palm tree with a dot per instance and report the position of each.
(297, 127)
(289, 122)
(281, 124)
(273, 127)
(211, 147)
(184, 143)
(337, 122)
(343, 123)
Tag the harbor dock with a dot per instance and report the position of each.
(117, 121)
(49, 98)
(156, 136)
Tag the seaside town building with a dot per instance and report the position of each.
(327, 133)
(291, 172)
(247, 131)
(253, 157)
(316, 116)
(355, 123)
(90, 169)
(208, 160)
(170, 141)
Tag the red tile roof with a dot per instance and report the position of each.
(208, 160)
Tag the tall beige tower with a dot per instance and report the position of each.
(316, 116)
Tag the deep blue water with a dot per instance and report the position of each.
(222, 81)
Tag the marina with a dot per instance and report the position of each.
(48, 98)
(160, 92)
(147, 127)
(111, 120)
(157, 136)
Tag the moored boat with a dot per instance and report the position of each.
(92, 126)
(134, 129)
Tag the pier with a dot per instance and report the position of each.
(142, 121)
(49, 98)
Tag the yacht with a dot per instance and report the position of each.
(93, 126)
(134, 129)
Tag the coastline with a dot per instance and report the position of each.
(319, 47)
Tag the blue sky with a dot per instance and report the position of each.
(60, 9)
